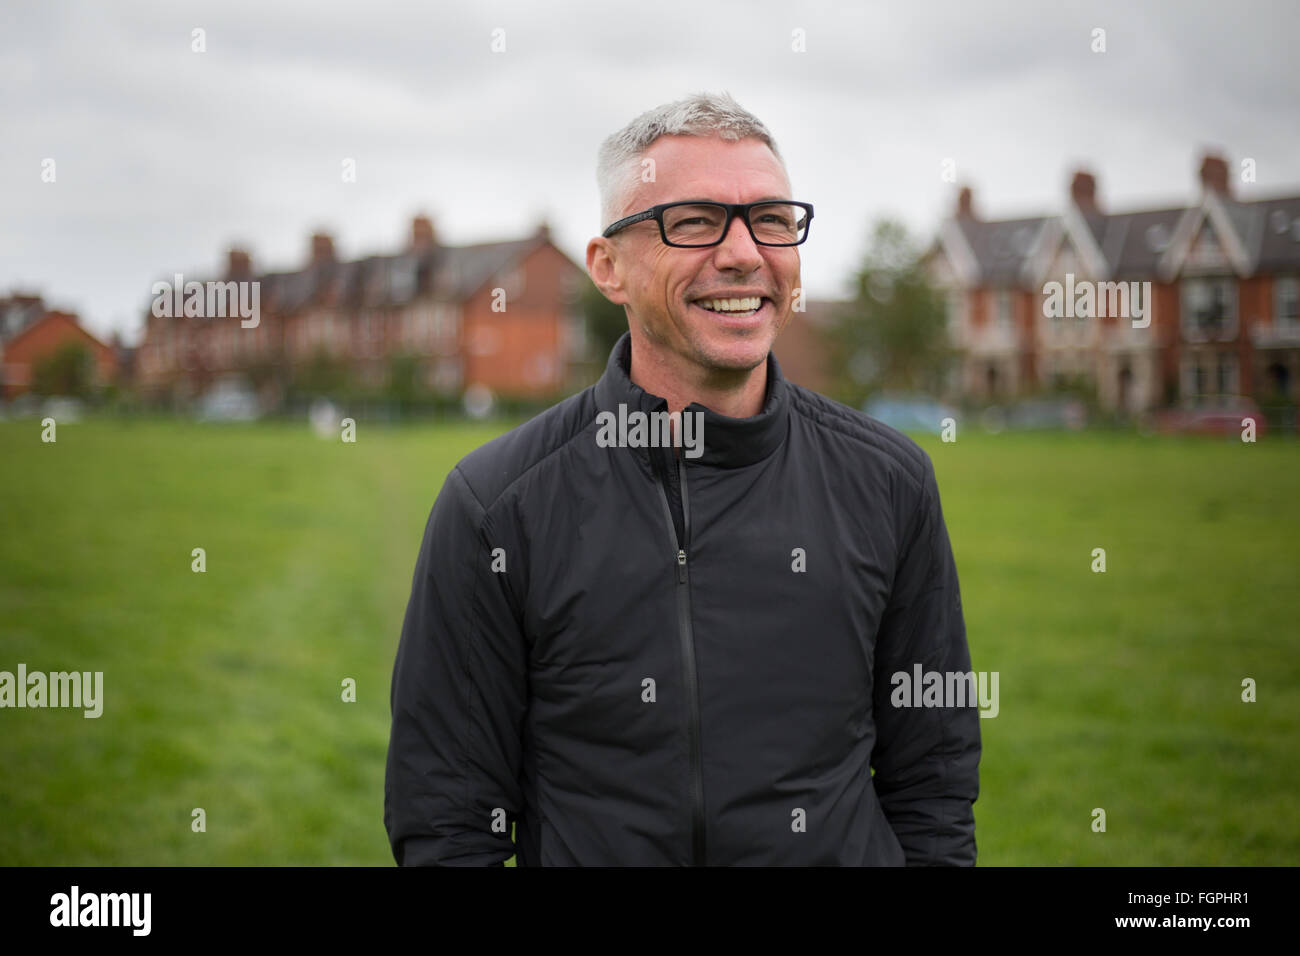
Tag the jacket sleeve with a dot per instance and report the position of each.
(459, 694)
(926, 759)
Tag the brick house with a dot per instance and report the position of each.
(503, 315)
(36, 338)
(1224, 309)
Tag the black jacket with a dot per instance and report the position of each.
(630, 657)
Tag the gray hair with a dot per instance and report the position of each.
(704, 114)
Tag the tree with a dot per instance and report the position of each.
(893, 335)
(69, 371)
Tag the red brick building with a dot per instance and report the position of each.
(37, 338)
(1224, 287)
(504, 315)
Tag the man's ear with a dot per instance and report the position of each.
(603, 269)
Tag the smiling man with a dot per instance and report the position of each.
(703, 315)
(618, 654)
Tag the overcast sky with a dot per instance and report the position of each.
(165, 157)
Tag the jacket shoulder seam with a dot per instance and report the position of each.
(914, 464)
(488, 506)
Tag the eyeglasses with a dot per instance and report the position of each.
(695, 225)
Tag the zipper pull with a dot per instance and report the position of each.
(681, 567)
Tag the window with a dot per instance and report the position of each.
(955, 297)
(446, 325)
(1004, 309)
(446, 375)
(1226, 378)
(1286, 305)
(1209, 309)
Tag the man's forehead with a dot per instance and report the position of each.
(698, 167)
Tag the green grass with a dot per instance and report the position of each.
(222, 690)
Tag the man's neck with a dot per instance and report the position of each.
(731, 394)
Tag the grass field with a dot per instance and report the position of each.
(1119, 690)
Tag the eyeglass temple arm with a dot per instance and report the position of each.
(629, 221)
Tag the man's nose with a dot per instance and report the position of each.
(738, 249)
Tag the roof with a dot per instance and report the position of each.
(447, 273)
(1134, 243)
(1270, 231)
(67, 319)
(1001, 247)
(1131, 244)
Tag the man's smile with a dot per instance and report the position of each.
(742, 310)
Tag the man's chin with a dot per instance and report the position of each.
(734, 354)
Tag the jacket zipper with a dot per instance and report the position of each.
(688, 660)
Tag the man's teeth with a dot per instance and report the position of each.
(732, 305)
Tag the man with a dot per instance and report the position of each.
(629, 648)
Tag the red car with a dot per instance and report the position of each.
(1226, 417)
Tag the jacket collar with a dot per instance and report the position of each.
(728, 442)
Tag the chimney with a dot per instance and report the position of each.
(543, 230)
(322, 248)
(1214, 174)
(422, 235)
(1083, 191)
(965, 204)
(239, 264)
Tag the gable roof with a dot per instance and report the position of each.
(1257, 236)
(447, 273)
(1001, 248)
(1214, 213)
(66, 319)
(1270, 230)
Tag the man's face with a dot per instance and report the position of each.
(666, 288)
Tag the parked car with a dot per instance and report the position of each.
(228, 402)
(909, 412)
(1216, 416)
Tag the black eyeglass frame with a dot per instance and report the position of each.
(733, 210)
